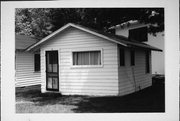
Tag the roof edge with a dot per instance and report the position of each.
(48, 37)
(147, 47)
(75, 26)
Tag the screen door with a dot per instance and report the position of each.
(52, 76)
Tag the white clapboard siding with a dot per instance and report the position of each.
(25, 75)
(82, 81)
(156, 41)
(134, 78)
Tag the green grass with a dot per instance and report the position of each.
(148, 100)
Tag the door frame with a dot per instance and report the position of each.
(48, 51)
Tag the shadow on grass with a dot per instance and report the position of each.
(147, 100)
(42, 99)
(151, 99)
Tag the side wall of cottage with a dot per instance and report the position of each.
(134, 78)
(25, 74)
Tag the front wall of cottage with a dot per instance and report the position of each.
(84, 80)
(134, 78)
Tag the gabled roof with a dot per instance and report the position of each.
(124, 41)
(22, 42)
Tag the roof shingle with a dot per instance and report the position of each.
(22, 42)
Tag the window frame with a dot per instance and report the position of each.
(35, 68)
(86, 50)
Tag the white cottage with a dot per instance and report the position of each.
(27, 73)
(138, 31)
(76, 60)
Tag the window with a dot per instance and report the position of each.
(36, 62)
(139, 34)
(52, 60)
(122, 57)
(132, 58)
(87, 58)
(147, 62)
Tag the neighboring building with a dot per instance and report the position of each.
(25, 75)
(75, 60)
(135, 30)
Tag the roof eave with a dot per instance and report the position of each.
(157, 50)
(147, 48)
(72, 25)
(48, 37)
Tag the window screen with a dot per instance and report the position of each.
(147, 62)
(87, 58)
(132, 58)
(36, 62)
(139, 34)
(122, 57)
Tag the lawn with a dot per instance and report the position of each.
(150, 99)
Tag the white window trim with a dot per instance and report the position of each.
(83, 50)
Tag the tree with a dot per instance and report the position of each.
(33, 22)
(40, 22)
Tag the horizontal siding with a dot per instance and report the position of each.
(83, 81)
(92, 70)
(25, 75)
(79, 77)
(94, 74)
(98, 84)
(30, 83)
(89, 92)
(156, 41)
(133, 78)
(83, 87)
(90, 81)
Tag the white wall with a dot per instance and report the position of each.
(25, 75)
(157, 57)
(156, 41)
(134, 78)
(83, 81)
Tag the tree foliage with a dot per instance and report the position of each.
(40, 22)
(33, 22)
